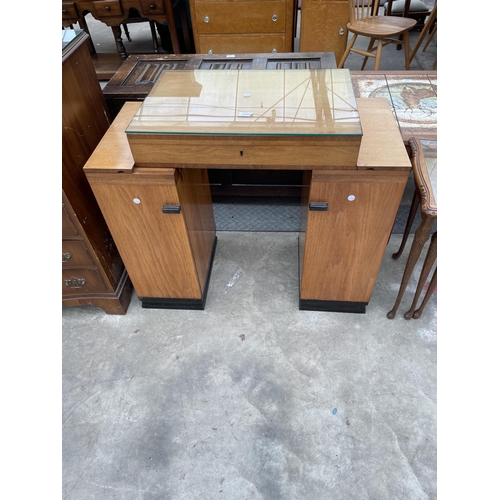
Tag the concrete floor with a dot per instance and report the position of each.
(252, 398)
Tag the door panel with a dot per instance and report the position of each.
(344, 245)
(154, 245)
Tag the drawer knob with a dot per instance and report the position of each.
(210, 51)
(151, 6)
(107, 7)
(65, 11)
(275, 18)
(341, 31)
(75, 282)
(66, 256)
(274, 51)
(206, 19)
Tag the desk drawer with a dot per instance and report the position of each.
(227, 44)
(74, 254)
(241, 17)
(69, 10)
(68, 228)
(152, 7)
(80, 281)
(108, 8)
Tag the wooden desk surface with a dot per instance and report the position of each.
(381, 145)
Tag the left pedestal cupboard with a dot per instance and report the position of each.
(92, 270)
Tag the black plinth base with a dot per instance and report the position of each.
(332, 306)
(191, 304)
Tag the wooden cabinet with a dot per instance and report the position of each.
(169, 240)
(323, 26)
(345, 243)
(92, 270)
(239, 26)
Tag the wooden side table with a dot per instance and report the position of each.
(424, 163)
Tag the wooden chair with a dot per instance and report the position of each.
(380, 29)
(431, 24)
(412, 9)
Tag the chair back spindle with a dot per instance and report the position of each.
(361, 9)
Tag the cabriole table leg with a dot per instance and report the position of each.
(430, 258)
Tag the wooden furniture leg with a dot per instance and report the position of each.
(83, 24)
(421, 237)
(117, 32)
(430, 258)
(411, 217)
(406, 38)
(425, 29)
(431, 36)
(430, 291)
(370, 47)
(127, 34)
(153, 35)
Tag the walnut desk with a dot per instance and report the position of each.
(149, 175)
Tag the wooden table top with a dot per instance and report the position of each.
(411, 94)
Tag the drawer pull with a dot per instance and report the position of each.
(274, 51)
(206, 19)
(75, 282)
(107, 7)
(65, 11)
(275, 18)
(66, 256)
(318, 206)
(151, 6)
(210, 51)
(171, 209)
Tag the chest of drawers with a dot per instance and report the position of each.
(222, 26)
(92, 270)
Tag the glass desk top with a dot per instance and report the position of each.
(250, 102)
(69, 35)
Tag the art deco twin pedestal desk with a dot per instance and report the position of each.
(149, 176)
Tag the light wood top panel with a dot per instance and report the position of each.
(113, 152)
(382, 145)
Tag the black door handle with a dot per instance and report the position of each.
(318, 206)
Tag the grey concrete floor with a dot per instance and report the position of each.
(251, 398)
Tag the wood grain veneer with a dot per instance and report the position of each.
(344, 246)
(155, 247)
(323, 26)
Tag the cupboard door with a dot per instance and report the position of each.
(323, 26)
(140, 209)
(345, 243)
